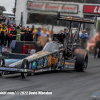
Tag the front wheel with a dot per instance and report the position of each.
(1, 73)
(2, 62)
(24, 66)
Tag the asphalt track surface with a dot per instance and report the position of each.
(63, 85)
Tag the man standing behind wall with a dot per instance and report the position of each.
(33, 34)
(84, 38)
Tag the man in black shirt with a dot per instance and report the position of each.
(76, 36)
(27, 35)
(13, 33)
(66, 33)
(22, 38)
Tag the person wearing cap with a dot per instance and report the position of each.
(9, 35)
(76, 36)
(27, 34)
(33, 33)
(1, 18)
(22, 38)
(38, 33)
(13, 33)
(97, 45)
(0, 28)
(4, 34)
(66, 33)
(84, 39)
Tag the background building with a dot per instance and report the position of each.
(44, 12)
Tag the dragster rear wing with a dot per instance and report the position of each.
(77, 19)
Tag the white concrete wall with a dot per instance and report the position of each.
(20, 7)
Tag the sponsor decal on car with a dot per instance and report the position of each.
(46, 62)
(67, 63)
(25, 70)
(40, 63)
(49, 60)
(11, 65)
(43, 70)
(52, 60)
(32, 71)
(33, 64)
(66, 66)
(30, 65)
(39, 70)
(71, 66)
(8, 69)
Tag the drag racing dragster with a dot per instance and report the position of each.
(59, 54)
(56, 55)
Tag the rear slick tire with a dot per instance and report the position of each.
(81, 60)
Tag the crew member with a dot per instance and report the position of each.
(13, 33)
(9, 35)
(66, 33)
(33, 33)
(38, 33)
(0, 32)
(4, 34)
(22, 38)
(76, 36)
(1, 19)
(0, 28)
(97, 46)
(84, 38)
(27, 35)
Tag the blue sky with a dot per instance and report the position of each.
(8, 4)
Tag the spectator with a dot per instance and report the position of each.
(49, 31)
(22, 38)
(89, 36)
(4, 32)
(38, 33)
(0, 32)
(42, 29)
(84, 38)
(66, 33)
(76, 36)
(4, 19)
(0, 27)
(33, 33)
(97, 46)
(13, 33)
(44, 33)
(61, 32)
(27, 34)
(1, 19)
(9, 34)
